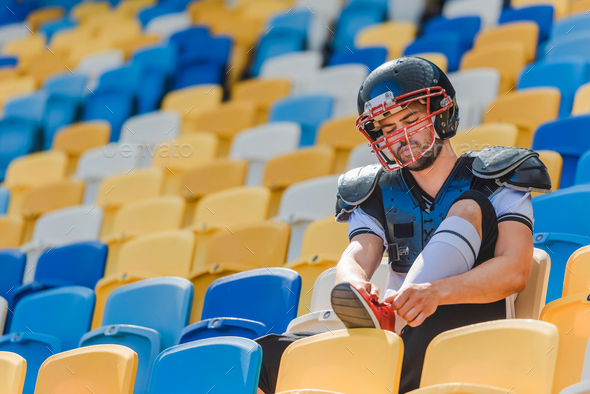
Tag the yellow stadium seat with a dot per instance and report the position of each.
(115, 34)
(98, 23)
(394, 36)
(355, 361)
(63, 41)
(324, 241)
(570, 315)
(554, 163)
(342, 135)
(11, 231)
(264, 9)
(43, 65)
(518, 354)
(526, 109)
(131, 44)
(183, 153)
(223, 209)
(242, 247)
(25, 47)
(81, 11)
(13, 369)
(582, 100)
(165, 253)
(117, 190)
(282, 171)
(244, 30)
(577, 273)
(437, 58)
(200, 11)
(580, 6)
(32, 170)
(530, 302)
(41, 15)
(561, 7)
(525, 33)
(130, 8)
(139, 218)
(262, 92)
(460, 388)
(227, 120)
(192, 101)
(77, 138)
(483, 136)
(46, 198)
(9, 73)
(86, 48)
(12, 87)
(507, 58)
(96, 369)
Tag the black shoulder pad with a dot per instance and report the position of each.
(356, 185)
(516, 168)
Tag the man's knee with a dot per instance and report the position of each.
(470, 210)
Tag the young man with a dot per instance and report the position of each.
(457, 230)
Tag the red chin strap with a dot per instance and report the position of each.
(384, 145)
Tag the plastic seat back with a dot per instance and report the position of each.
(12, 265)
(583, 169)
(13, 368)
(542, 15)
(577, 275)
(562, 211)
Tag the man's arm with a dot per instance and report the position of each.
(493, 280)
(359, 262)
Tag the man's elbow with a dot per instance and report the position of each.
(519, 283)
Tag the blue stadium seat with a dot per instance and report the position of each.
(18, 137)
(60, 111)
(30, 106)
(223, 327)
(559, 247)
(18, 12)
(67, 84)
(8, 61)
(268, 297)
(574, 46)
(309, 111)
(52, 27)
(147, 316)
(189, 39)
(198, 73)
(563, 211)
(163, 8)
(353, 19)
(276, 42)
(229, 364)
(4, 200)
(583, 169)
(46, 323)
(466, 27)
(541, 14)
(158, 58)
(203, 64)
(566, 75)
(12, 265)
(570, 138)
(212, 49)
(297, 20)
(370, 57)
(451, 45)
(114, 106)
(572, 24)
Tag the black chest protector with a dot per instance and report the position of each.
(393, 200)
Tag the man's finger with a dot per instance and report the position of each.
(418, 320)
(412, 314)
(375, 290)
(399, 300)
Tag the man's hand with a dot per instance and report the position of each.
(366, 288)
(415, 302)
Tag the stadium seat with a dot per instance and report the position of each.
(572, 46)
(97, 164)
(13, 87)
(207, 364)
(58, 318)
(4, 200)
(14, 368)
(342, 135)
(316, 322)
(564, 26)
(156, 10)
(393, 36)
(526, 33)
(11, 231)
(571, 146)
(30, 106)
(579, 6)
(244, 114)
(582, 100)
(562, 211)
(577, 264)
(307, 110)
(146, 316)
(285, 170)
(98, 107)
(527, 109)
(568, 314)
(329, 10)
(42, 15)
(12, 266)
(168, 24)
(191, 102)
(17, 138)
(567, 76)
(102, 368)
(541, 14)
(453, 356)
(353, 19)
(82, 11)
(165, 253)
(194, 69)
(222, 327)
(488, 11)
(466, 26)
(561, 7)
(530, 302)
(263, 92)
(361, 156)
(276, 42)
(371, 57)
(259, 144)
(187, 40)
(118, 190)
(508, 58)
(142, 217)
(554, 163)
(449, 44)
(483, 136)
(12, 31)
(157, 57)
(66, 84)
(351, 361)
(49, 28)
(246, 246)
(77, 138)
(298, 20)
(583, 169)
(303, 202)
(134, 44)
(93, 62)
(342, 83)
(296, 67)
(560, 246)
